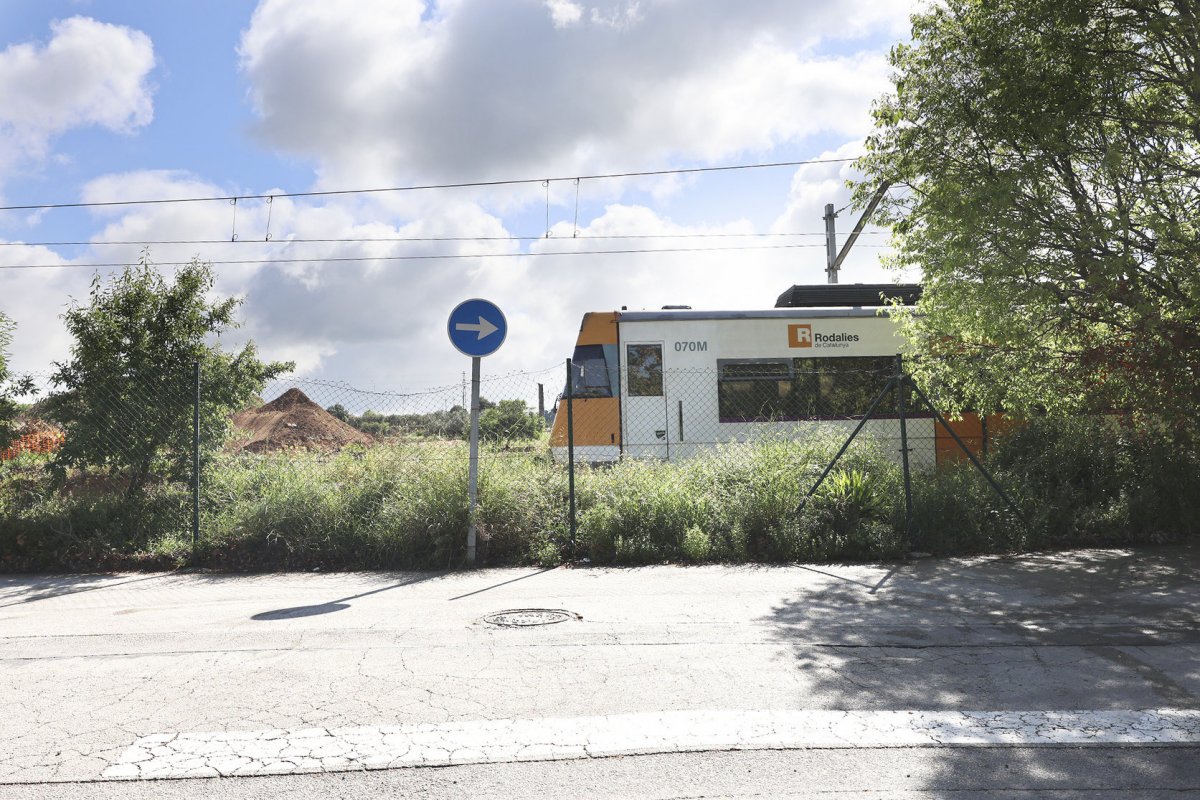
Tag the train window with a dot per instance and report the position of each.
(764, 390)
(645, 365)
(842, 387)
(594, 370)
(754, 390)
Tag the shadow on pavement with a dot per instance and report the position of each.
(1084, 630)
(339, 604)
(541, 571)
(50, 587)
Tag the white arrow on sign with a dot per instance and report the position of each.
(484, 328)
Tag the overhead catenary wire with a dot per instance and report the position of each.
(418, 257)
(423, 187)
(385, 239)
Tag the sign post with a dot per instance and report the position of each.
(477, 328)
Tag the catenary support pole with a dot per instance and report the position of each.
(571, 454)
(473, 469)
(830, 244)
(195, 455)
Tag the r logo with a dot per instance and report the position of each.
(799, 335)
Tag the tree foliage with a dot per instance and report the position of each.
(126, 395)
(8, 408)
(1047, 161)
(509, 421)
(504, 422)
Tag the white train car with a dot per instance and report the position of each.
(665, 384)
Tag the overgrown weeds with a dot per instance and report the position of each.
(405, 506)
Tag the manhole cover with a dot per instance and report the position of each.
(528, 617)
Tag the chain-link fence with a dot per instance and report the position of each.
(320, 471)
(674, 414)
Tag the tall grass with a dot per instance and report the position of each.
(405, 506)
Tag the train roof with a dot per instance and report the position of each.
(830, 295)
(766, 313)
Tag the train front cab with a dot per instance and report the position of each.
(595, 385)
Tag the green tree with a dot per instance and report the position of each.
(508, 421)
(1046, 156)
(451, 424)
(8, 388)
(126, 394)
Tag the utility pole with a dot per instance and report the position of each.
(831, 259)
(834, 259)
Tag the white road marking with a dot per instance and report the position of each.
(274, 752)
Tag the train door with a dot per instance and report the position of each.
(644, 416)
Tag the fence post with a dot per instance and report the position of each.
(901, 388)
(571, 453)
(846, 445)
(195, 456)
(473, 464)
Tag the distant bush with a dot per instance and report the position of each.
(509, 421)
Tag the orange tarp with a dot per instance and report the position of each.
(43, 442)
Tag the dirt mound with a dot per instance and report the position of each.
(293, 421)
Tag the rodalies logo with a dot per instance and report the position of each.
(801, 335)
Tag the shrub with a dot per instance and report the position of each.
(1079, 481)
(696, 545)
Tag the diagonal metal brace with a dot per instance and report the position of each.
(870, 412)
(962, 445)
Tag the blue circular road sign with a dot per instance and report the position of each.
(477, 327)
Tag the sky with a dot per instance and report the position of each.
(131, 101)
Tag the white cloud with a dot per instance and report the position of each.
(490, 89)
(564, 12)
(34, 299)
(382, 322)
(88, 73)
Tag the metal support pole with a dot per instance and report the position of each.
(473, 469)
(846, 446)
(195, 455)
(542, 402)
(901, 388)
(571, 452)
(830, 244)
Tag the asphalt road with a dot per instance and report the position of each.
(94, 665)
(947, 774)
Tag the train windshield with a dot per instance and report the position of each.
(594, 370)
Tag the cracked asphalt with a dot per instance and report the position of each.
(93, 664)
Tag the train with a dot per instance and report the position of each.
(668, 383)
